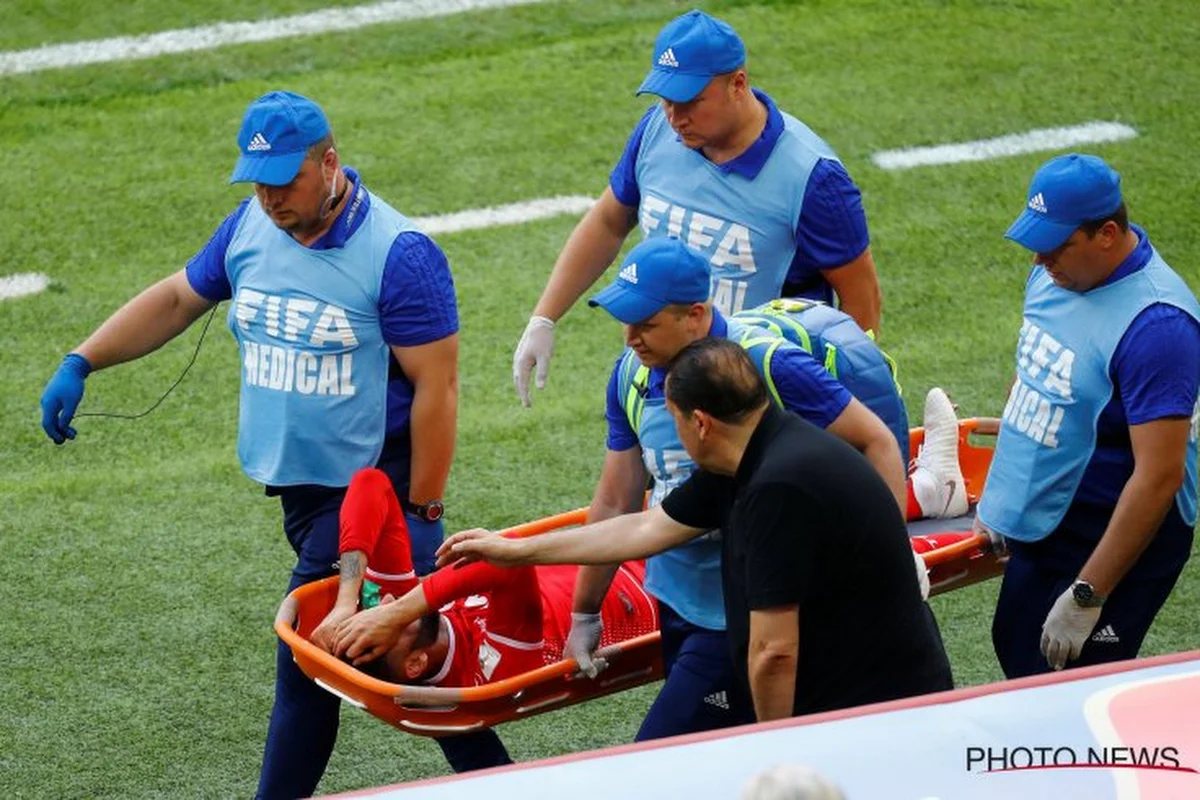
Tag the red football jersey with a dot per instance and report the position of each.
(504, 622)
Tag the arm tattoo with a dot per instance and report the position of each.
(351, 566)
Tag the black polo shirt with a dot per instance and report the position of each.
(808, 521)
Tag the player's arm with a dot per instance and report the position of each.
(856, 285)
(367, 635)
(145, 323)
(361, 520)
(352, 565)
(860, 427)
(621, 490)
(772, 660)
(591, 247)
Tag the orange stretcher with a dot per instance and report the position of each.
(443, 711)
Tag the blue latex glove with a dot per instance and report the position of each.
(424, 538)
(61, 397)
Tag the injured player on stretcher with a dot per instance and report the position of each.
(457, 627)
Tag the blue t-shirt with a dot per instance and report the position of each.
(803, 384)
(832, 228)
(1154, 372)
(416, 298)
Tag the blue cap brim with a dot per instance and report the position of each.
(277, 169)
(1035, 232)
(673, 85)
(627, 306)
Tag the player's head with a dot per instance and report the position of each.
(661, 295)
(712, 389)
(698, 69)
(287, 152)
(418, 654)
(1074, 221)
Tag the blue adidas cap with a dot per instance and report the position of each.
(277, 131)
(657, 273)
(689, 52)
(1065, 193)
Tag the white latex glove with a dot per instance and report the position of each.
(999, 545)
(534, 349)
(583, 641)
(1066, 629)
(922, 575)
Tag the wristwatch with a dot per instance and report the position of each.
(1085, 595)
(429, 512)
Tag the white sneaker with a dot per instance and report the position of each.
(937, 479)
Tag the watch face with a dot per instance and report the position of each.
(434, 510)
(1084, 593)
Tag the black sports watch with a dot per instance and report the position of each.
(1085, 595)
(430, 512)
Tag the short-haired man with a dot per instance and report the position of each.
(764, 198)
(822, 604)
(1093, 483)
(662, 297)
(343, 366)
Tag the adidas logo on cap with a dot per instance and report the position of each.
(629, 273)
(258, 143)
(667, 59)
(1038, 203)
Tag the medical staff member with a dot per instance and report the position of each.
(717, 164)
(347, 327)
(822, 604)
(661, 296)
(1093, 482)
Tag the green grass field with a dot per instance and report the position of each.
(141, 569)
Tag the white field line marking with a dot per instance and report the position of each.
(1011, 145)
(511, 214)
(129, 48)
(21, 284)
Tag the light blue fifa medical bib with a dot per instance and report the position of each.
(746, 227)
(1048, 431)
(688, 577)
(313, 401)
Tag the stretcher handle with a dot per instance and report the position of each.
(979, 543)
(440, 695)
(981, 426)
(567, 518)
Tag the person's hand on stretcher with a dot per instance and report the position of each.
(477, 544)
